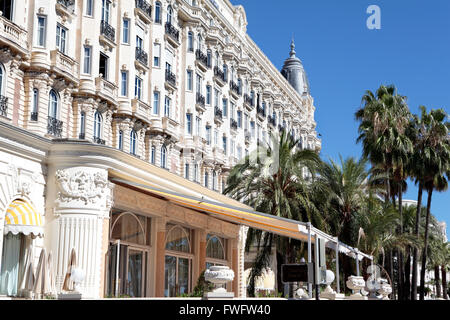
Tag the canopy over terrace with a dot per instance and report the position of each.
(281, 226)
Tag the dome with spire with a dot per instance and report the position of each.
(294, 73)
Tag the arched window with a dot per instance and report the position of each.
(214, 180)
(178, 239)
(53, 105)
(190, 41)
(98, 119)
(164, 157)
(158, 12)
(127, 227)
(169, 14)
(133, 140)
(153, 155)
(120, 140)
(215, 247)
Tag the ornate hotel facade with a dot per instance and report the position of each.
(99, 97)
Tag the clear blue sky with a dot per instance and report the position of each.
(343, 58)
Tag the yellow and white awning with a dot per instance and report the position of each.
(22, 217)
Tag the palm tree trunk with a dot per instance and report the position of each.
(280, 261)
(437, 281)
(425, 245)
(444, 282)
(407, 289)
(401, 265)
(391, 270)
(416, 252)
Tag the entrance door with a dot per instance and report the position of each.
(130, 277)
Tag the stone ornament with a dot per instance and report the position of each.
(356, 284)
(83, 186)
(385, 289)
(219, 275)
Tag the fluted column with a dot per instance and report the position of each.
(80, 198)
(160, 256)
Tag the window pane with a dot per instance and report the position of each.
(215, 249)
(183, 276)
(178, 239)
(127, 228)
(170, 274)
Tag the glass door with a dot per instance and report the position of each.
(135, 274)
(177, 276)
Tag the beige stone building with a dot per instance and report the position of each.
(101, 97)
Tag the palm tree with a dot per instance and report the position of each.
(427, 135)
(436, 152)
(273, 180)
(384, 121)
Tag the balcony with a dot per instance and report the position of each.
(173, 34)
(97, 140)
(170, 128)
(233, 125)
(272, 121)
(248, 102)
(201, 59)
(65, 8)
(144, 11)
(3, 106)
(141, 60)
(235, 89)
(106, 90)
(261, 113)
(200, 102)
(141, 110)
(171, 80)
(107, 34)
(13, 36)
(218, 116)
(219, 76)
(54, 127)
(64, 66)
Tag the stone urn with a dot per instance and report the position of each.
(219, 276)
(385, 289)
(356, 284)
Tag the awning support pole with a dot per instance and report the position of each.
(338, 286)
(309, 258)
(117, 268)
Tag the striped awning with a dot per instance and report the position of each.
(22, 217)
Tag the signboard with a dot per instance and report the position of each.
(303, 272)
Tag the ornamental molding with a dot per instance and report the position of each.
(83, 187)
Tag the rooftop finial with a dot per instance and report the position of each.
(293, 47)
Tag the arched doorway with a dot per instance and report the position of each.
(22, 224)
(128, 255)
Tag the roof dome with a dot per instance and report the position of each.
(294, 73)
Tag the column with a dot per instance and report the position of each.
(79, 200)
(160, 256)
(241, 292)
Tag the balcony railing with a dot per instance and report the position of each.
(248, 100)
(97, 140)
(200, 99)
(261, 111)
(272, 121)
(218, 113)
(108, 31)
(200, 56)
(219, 74)
(3, 106)
(145, 7)
(54, 127)
(171, 78)
(172, 31)
(233, 124)
(235, 88)
(141, 56)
